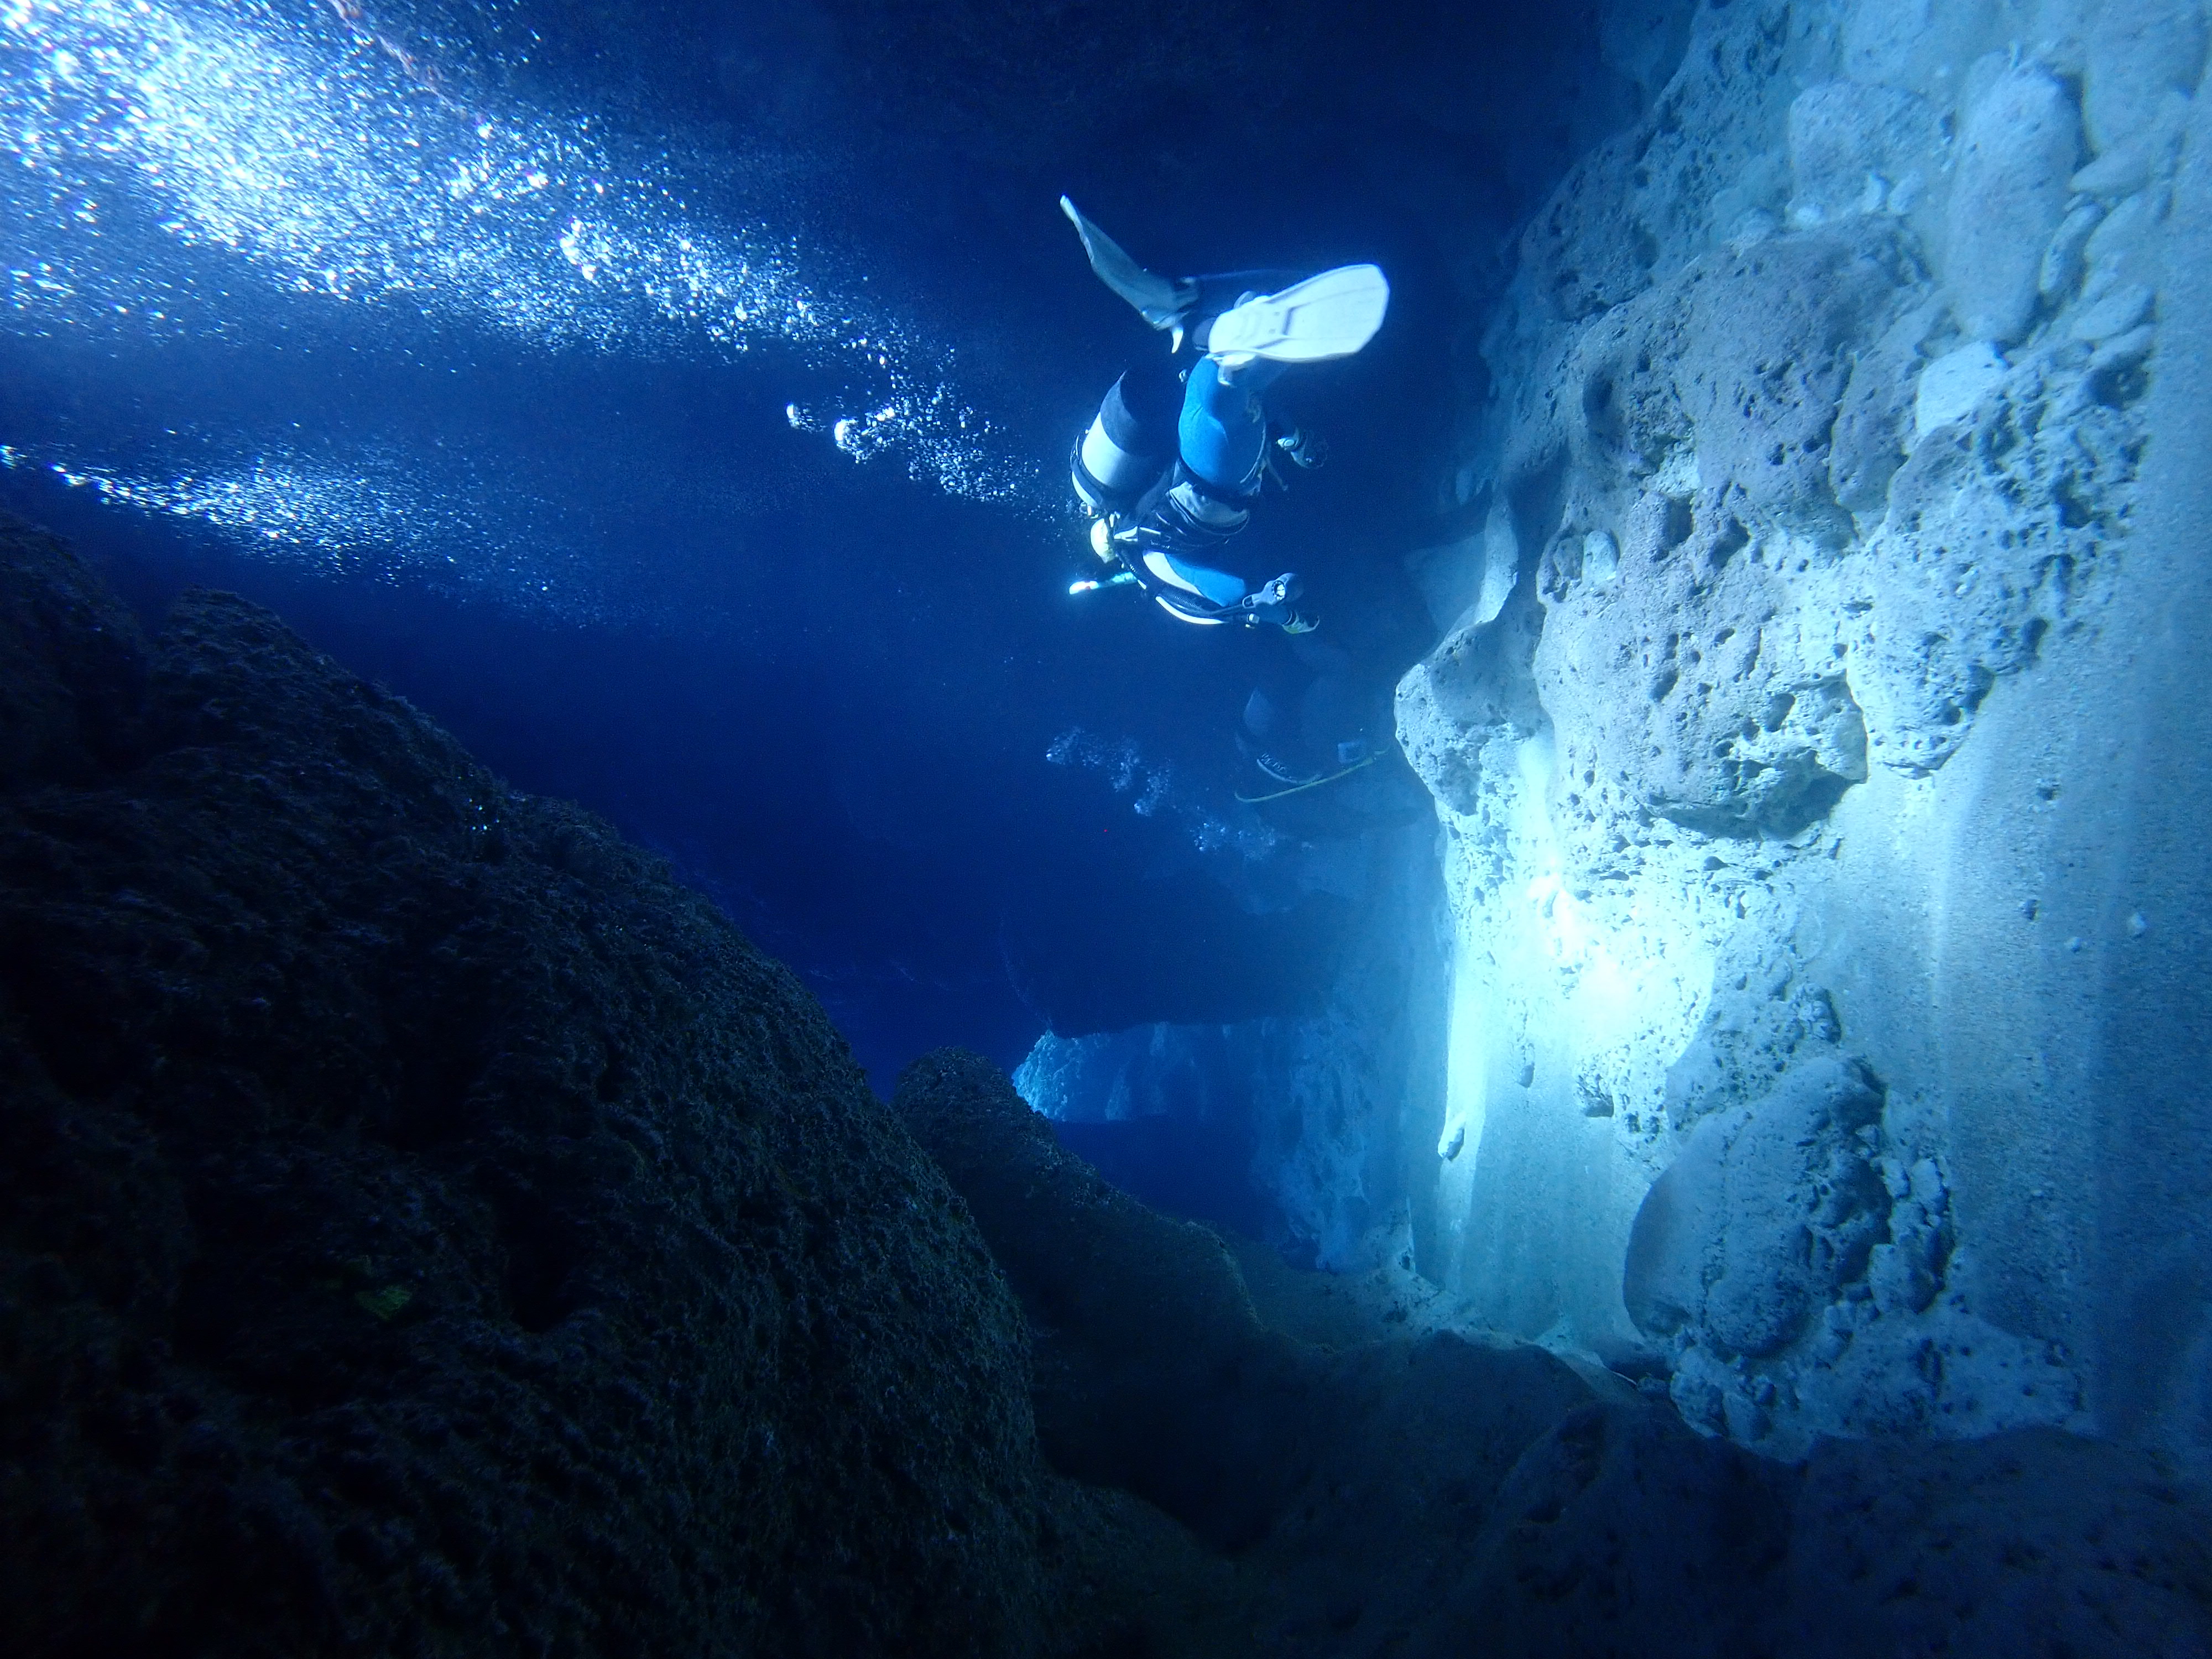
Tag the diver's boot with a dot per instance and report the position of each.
(1159, 300)
(1331, 315)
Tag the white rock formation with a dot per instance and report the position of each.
(1815, 452)
(2023, 139)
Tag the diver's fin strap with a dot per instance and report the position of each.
(1196, 606)
(1274, 595)
(1122, 502)
(1165, 522)
(1158, 301)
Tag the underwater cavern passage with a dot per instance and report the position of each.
(1682, 1139)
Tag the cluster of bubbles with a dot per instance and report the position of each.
(153, 154)
(1159, 793)
(366, 514)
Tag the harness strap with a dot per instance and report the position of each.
(1241, 500)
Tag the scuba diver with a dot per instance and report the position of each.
(1173, 464)
(1305, 732)
(1303, 724)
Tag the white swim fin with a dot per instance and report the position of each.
(1159, 300)
(1331, 315)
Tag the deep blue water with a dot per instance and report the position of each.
(504, 350)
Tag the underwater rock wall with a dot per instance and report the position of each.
(1812, 749)
(426, 1229)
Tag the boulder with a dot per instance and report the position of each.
(2136, 55)
(1855, 149)
(1874, 418)
(424, 1227)
(2020, 146)
(1684, 690)
(1922, 45)
(1768, 1212)
(1769, 338)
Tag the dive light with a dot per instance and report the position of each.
(1119, 578)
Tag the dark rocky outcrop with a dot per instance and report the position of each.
(1439, 1496)
(425, 1228)
(1351, 1483)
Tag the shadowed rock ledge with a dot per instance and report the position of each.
(1449, 1494)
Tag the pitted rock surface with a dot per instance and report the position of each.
(1816, 416)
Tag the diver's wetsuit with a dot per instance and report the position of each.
(1179, 491)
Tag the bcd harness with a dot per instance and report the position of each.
(1136, 523)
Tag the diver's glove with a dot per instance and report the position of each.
(1159, 300)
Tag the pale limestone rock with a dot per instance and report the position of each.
(1702, 817)
(2000, 527)
(1855, 149)
(2019, 149)
(1922, 45)
(2142, 157)
(1766, 343)
(1768, 1212)
(1953, 384)
(1874, 422)
(2119, 309)
(2136, 52)
(2065, 260)
(2121, 353)
(2115, 250)
(2059, 34)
